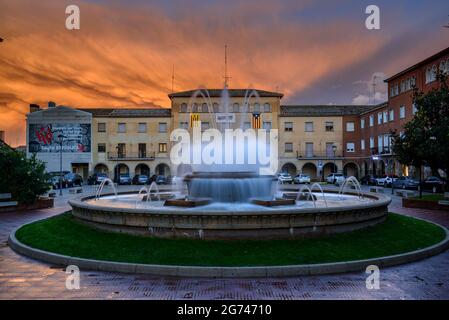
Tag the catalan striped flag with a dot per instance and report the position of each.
(256, 121)
(194, 120)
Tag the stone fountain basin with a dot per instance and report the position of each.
(230, 222)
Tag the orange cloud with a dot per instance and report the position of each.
(123, 55)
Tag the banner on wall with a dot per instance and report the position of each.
(45, 137)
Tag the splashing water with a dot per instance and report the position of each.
(105, 182)
(353, 180)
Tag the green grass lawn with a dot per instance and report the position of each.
(430, 197)
(63, 234)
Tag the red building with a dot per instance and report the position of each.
(371, 135)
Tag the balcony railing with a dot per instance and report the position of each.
(317, 155)
(131, 156)
(381, 151)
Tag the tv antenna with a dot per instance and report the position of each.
(226, 77)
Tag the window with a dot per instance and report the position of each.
(402, 112)
(329, 149)
(431, 74)
(256, 107)
(371, 142)
(385, 116)
(288, 126)
(204, 108)
(142, 150)
(350, 126)
(195, 108)
(236, 107)
(267, 125)
(379, 118)
(362, 144)
(267, 107)
(162, 127)
(121, 127)
(413, 82)
(162, 147)
(184, 107)
(362, 123)
(329, 126)
(379, 143)
(402, 86)
(204, 126)
(414, 108)
(371, 120)
(309, 149)
(142, 127)
(121, 150)
(288, 147)
(184, 125)
(350, 147)
(391, 115)
(101, 147)
(309, 127)
(407, 84)
(216, 107)
(428, 75)
(396, 89)
(386, 147)
(101, 127)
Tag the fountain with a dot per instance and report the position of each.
(105, 182)
(231, 202)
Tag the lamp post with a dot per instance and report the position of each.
(60, 139)
(334, 150)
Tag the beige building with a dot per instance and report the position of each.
(137, 141)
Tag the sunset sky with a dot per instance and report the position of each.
(315, 52)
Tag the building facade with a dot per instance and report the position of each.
(313, 139)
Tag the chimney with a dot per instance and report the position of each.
(34, 107)
(2, 135)
(51, 104)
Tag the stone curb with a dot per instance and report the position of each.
(230, 272)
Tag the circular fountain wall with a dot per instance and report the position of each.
(233, 215)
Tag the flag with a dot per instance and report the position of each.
(256, 121)
(194, 120)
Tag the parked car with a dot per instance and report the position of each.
(161, 180)
(54, 181)
(124, 178)
(386, 180)
(73, 179)
(405, 183)
(285, 178)
(301, 178)
(369, 180)
(335, 178)
(152, 179)
(140, 179)
(433, 184)
(97, 178)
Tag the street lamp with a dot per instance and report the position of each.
(60, 139)
(334, 150)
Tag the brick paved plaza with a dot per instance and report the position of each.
(24, 278)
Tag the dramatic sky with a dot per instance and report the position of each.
(315, 52)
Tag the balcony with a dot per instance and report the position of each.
(381, 151)
(130, 156)
(318, 155)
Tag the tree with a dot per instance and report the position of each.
(425, 139)
(26, 179)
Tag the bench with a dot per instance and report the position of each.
(405, 193)
(52, 194)
(75, 190)
(444, 203)
(446, 196)
(376, 189)
(5, 201)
